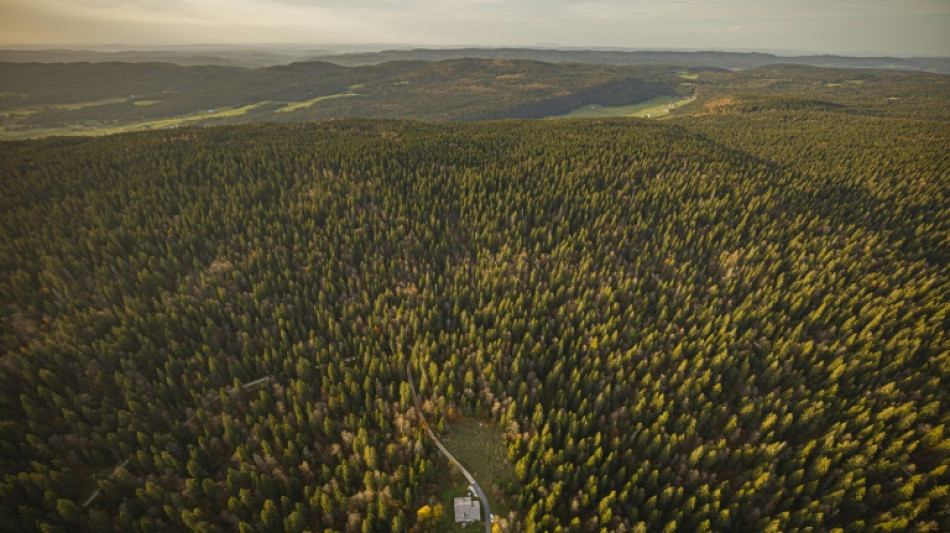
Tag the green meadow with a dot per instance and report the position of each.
(655, 107)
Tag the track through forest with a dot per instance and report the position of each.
(445, 452)
(95, 494)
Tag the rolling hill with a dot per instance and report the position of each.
(40, 99)
(101, 98)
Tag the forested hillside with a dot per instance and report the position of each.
(735, 321)
(99, 98)
(852, 92)
(39, 100)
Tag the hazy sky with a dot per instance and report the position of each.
(891, 26)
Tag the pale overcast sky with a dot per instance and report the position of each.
(898, 27)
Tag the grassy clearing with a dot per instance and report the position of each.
(189, 119)
(232, 112)
(180, 120)
(653, 108)
(480, 446)
(146, 102)
(688, 75)
(300, 105)
(17, 112)
(109, 129)
(75, 130)
(454, 485)
(35, 108)
(18, 133)
(80, 105)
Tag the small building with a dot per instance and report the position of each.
(467, 509)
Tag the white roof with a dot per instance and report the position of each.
(467, 509)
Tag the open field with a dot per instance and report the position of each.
(109, 129)
(300, 105)
(229, 112)
(80, 105)
(29, 110)
(480, 447)
(17, 134)
(17, 112)
(652, 108)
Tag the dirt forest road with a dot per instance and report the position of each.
(468, 476)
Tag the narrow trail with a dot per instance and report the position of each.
(468, 476)
(213, 395)
(92, 497)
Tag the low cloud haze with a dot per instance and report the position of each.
(841, 26)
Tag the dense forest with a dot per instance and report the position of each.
(730, 321)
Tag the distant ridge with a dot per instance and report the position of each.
(249, 58)
(729, 60)
(265, 57)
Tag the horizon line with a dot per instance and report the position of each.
(377, 47)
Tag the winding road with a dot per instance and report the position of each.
(453, 460)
